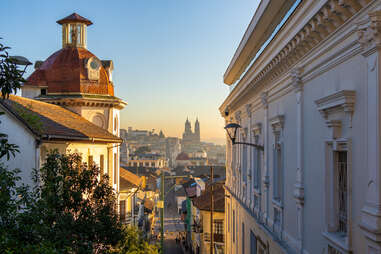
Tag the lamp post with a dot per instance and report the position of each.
(20, 60)
(231, 129)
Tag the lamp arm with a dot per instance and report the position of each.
(250, 144)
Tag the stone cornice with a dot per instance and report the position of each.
(277, 123)
(85, 102)
(369, 32)
(323, 23)
(344, 99)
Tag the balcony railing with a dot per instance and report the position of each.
(219, 238)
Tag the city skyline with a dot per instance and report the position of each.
(173, 61)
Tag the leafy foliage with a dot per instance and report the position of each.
(10, 75)
(133, 243)
(70, 209)
(74, 206)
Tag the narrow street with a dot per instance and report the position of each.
(173, 225)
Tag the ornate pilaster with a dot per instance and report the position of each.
(370, 38)
(299, 185)
(249, 185)
(238, 158)
(266, 178)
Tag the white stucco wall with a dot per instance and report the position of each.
(19, 135)
(337, 64)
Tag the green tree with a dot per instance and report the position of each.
(11, 77)
(70, 209)
(75, 208)
(134, 243)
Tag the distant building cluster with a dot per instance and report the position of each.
(145, 148)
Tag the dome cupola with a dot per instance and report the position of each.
(74, 31)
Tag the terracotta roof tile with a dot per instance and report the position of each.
(65, 72)
(48, 120)
(203, 202)
(128, 179)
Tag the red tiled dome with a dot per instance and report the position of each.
(65, 72)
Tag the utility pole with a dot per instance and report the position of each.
(211, 211)
(162, 212)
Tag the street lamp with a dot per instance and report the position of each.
(231, 129)
(20, 60)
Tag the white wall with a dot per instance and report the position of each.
(18, 135)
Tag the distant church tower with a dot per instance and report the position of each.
(191, 140)
(197, 130)
(188, 128)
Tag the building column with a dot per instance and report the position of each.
(266, 176)
(299, 185)
(250, 162)
(238, 158)
(370, 39)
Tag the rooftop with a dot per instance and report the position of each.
(49, 121)
(128, 179)
(203, 201)
(74, 18)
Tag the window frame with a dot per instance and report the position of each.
(339, 241)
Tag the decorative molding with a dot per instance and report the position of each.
(248, 108)
(257, 129)
(237, 116)
(330, 17)
(343, 100)
(264, 99)
(335, 127)
(296, 79)
(369, 32)
(277, 123)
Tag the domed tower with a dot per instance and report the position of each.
(197, 130)
(76, 79)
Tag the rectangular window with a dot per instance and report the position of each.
(218, 227)
(243, 237)
(233, 226)
(277, 170)
(228, 217)
(234, 159)
(342, 190)
(257, 166)
(122, 209)
(244, 163)
(102, 164)
(90, 160)
(115, 168)
(253, 243)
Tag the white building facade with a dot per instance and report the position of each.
(312, 98)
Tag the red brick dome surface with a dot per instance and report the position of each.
(65, 72)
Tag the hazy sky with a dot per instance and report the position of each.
(169, 55)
